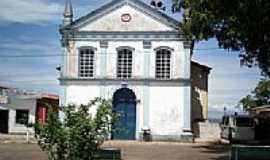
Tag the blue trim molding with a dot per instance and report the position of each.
(107, 81)
(123, 36)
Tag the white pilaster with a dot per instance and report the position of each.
(146, 91)
(103, 66)
(186, 92)
(64, 65)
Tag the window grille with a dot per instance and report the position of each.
(163, 64)
(124, 64)
(86, 69)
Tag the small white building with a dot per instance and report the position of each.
(18, 108)
(134, 54)
(15, 109)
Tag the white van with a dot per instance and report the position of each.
(237, 128)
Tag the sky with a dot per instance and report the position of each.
(30, 39)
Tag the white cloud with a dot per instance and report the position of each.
(29, 11)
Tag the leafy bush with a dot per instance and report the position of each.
(80, 134)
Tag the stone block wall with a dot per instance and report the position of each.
(207, 131)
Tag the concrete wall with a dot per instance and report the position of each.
(166, 111)
(207, 131)
(199, 80)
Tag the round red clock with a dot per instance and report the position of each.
(126, 17)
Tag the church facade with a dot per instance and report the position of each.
(134, 54)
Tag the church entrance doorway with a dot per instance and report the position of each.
(124, 103)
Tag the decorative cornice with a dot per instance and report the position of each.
(151, 82)
(125, 47)
(164, 47)
(88, 47)
(123, 36)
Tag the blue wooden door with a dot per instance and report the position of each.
(126, 126)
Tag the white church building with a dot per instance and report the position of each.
(134, 54)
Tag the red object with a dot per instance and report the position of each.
(41, 114)
(42, 109)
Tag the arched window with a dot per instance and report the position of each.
(124, 63)
(163, 63)
(86, 62)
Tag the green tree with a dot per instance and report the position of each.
(260, 96)
(80, 134)
(238, 25)
(52, 137)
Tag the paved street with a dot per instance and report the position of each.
(14, 151)
(130, 151)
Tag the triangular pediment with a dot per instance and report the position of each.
(126, 15)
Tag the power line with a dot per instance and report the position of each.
(204, 49)
(25, 74)
(31, 56)
(108, 53)
(31, 81)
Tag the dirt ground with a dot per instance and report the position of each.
(13, 151)
(131, 151)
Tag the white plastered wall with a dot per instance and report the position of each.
(165, 111)
(77, 95)
(24, 104)
(113, 22)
